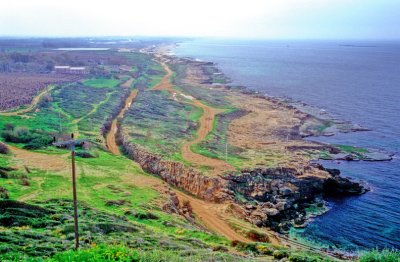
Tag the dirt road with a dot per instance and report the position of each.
(208, 213)
(111, 139)
(206, 125)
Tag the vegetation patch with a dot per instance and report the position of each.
(160, 124)
(33, 139)
(216, 145)
(385, 255)
(101, 82)
(4, 149)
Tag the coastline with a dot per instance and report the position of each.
(302, 168)
(320, 122)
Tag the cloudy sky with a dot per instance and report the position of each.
(321, 19)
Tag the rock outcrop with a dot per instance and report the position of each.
(177, 174)
(278, 197)
(271, 197)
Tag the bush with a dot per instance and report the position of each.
(303, 257)
(33, 140)
(17, 135)
(24, 182)
(3, 149)
(100, 253)
(385, 255)
(38, 142)
(257, 236)
(279, 254)
(86, 154)
(4, 193)
(9, 126)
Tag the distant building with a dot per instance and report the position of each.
(71, 70)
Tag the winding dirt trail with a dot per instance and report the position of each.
(33, 104)
(208, 213)
(111, 136)
(206, 125)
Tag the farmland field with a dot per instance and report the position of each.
(19, 89)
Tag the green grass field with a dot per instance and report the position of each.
(101, 82)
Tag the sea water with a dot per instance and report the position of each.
(357, 81)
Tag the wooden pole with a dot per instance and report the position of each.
(71, 144)
(74, 196)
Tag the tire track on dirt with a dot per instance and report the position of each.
(111, 141)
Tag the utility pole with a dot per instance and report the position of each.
(71, 144)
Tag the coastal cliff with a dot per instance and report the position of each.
(269, 197)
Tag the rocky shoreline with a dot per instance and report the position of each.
(273, 197)
(316, 122)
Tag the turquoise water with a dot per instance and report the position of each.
(357, 81)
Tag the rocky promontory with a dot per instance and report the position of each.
(266, 197)
(278, 197)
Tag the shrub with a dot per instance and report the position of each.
(24, 182)
(303, 257)
(86, 154)
(146, 215)
(100, 253)
(33, 139)
(279, 254)
(3, 149)
(252, 247)
(4, 193)
(38, 142)
(385, 255)
(257, 236)
(9, 126)
(17, 135)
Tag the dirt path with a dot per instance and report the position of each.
(128, 83)
(208, 213)
(206, 125)
(33, 104)
(40, 160)
(110, 139)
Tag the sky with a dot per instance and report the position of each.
(257, 19)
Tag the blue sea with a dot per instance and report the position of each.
(357, 81)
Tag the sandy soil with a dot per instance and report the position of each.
(110, 139)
